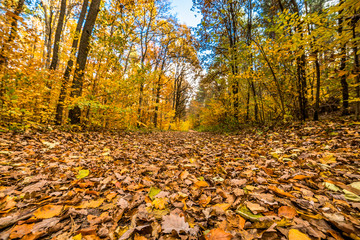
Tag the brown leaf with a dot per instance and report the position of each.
(287, 212)
(174, 222)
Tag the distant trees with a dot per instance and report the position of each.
(98, 65)
(291, 58)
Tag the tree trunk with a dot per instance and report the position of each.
(344, 84)
(60, 106)
(356, 68)
(59, 29)
(157, 102)
(301, 71)
(318, 82)
(74, 113)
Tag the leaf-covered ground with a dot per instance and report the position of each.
(299, 182)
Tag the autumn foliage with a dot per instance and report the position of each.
(131, 64)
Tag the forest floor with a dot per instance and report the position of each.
(298, 182)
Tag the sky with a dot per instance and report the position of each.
(184, 14)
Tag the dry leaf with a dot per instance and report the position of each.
(91, 204)
(21, 230)
(174, 222)
(48, 211)
(295, 234)
(218, 234)
(280, 191)
(201, 184)
(287, 212)
(255, 208)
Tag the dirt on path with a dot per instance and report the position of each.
(299, 182)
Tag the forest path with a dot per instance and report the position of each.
(299, 181)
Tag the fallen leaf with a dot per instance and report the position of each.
(222, 206)
(174, 222)
(153, 192)
(295, 234)
(35, 187)
(330, 158)
(204, 200)
(160, 203)
(91, 203)
(218, 234)
(247, 214)
(184, 175)
(48, 211)
(301, 177)
(82, 174)
(201, 184)
(21, 230)
(331, 187)
(77, 237)
(255, 207)
(287, 212)
(280, 191)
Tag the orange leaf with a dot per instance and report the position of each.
(184, 175)
(300, 177)
(280, 191)
(287, 212)
(295, 234)
(218, 234)
(48, 211)
(138, 237)
(110, 196)
(200, 184)
(21, 230)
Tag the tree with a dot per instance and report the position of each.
(69, 66)
(77, 86)
(59, 28)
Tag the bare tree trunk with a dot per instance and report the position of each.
(59, 28)
(301, 71)
(77, 86)
(344, 84)
(60, 106)
(318, 82)
(157, 102)
(356, 67)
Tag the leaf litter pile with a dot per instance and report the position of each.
(300, 182)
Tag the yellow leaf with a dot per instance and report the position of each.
(77, 237)
(295, 234)
(328, 159)
(160, 203)
(48, 211)
(91, 204)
